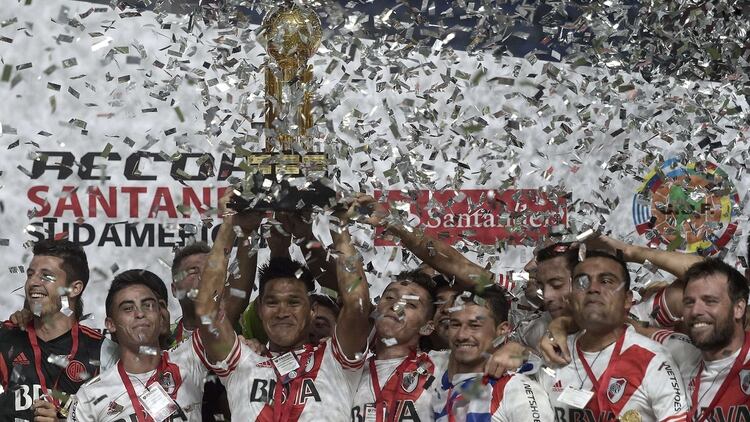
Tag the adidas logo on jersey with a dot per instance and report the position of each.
(21, 359)
(557, 387)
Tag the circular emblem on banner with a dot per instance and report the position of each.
(689, 206)
(75, 371)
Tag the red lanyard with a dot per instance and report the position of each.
(38, 357)
(598, 392)
(140, 413)
(738, 362)
(281, 409)
(179, 332)
(390, 398)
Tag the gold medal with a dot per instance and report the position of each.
(631, 416)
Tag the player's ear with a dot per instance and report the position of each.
(502, 329)
(110, 324)
(628, 300)
(75, 288)
(739, 309)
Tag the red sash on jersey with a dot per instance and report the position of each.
(179, 332)
(164, 367)
(394, 391)
(735, 394)
(31, 332)
(631, 364)
(281, 410)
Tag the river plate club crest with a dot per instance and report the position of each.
(687, 206)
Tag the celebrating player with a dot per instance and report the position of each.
(297, 380)
(48, 359)
(715, 304)
(465, 393)
(398, 383)
(614, 371)
(147, 383)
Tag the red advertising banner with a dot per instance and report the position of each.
(487, 216)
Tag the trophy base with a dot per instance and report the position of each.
(281, 196)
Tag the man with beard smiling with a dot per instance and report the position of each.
(715, 302)
(51, 356)
(615, 372)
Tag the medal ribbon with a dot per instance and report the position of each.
(281, 409)
(38, 358)
(140, 412)
(600, 393)
(738, 362)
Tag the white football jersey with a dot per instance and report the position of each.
(654, 311)
(734, 402)
(104, 399)
(682, 351)
(322, 388)
(412, 391)
(475, 397)
(644, 379)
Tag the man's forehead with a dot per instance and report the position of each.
(469, 311)
(713, 283)
(407, 287)
(194, 259)
(136, 292)
(47, 261)
(557, 264)
(285, 286)
(598, 264)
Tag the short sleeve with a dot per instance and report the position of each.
(226, 366)
(680, 348)
(666, 389)
(523, 399)
(346, 363)
(82, 409)
(109, 354)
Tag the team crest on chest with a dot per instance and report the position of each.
(167, 382)
(616, 389)
(76, 371)
(114, 408)
(745, 381)
(409, 382)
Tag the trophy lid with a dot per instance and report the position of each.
(292, 34)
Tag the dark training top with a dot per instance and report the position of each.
(31, 367)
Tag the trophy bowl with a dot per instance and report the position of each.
(292, 34)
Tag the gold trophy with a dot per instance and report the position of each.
(291, 34)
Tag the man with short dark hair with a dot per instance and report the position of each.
(615, 372)
(147, 383)
(465, 393)
(296, 380)
(715, 305)
(44, 362)
(398, 383)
